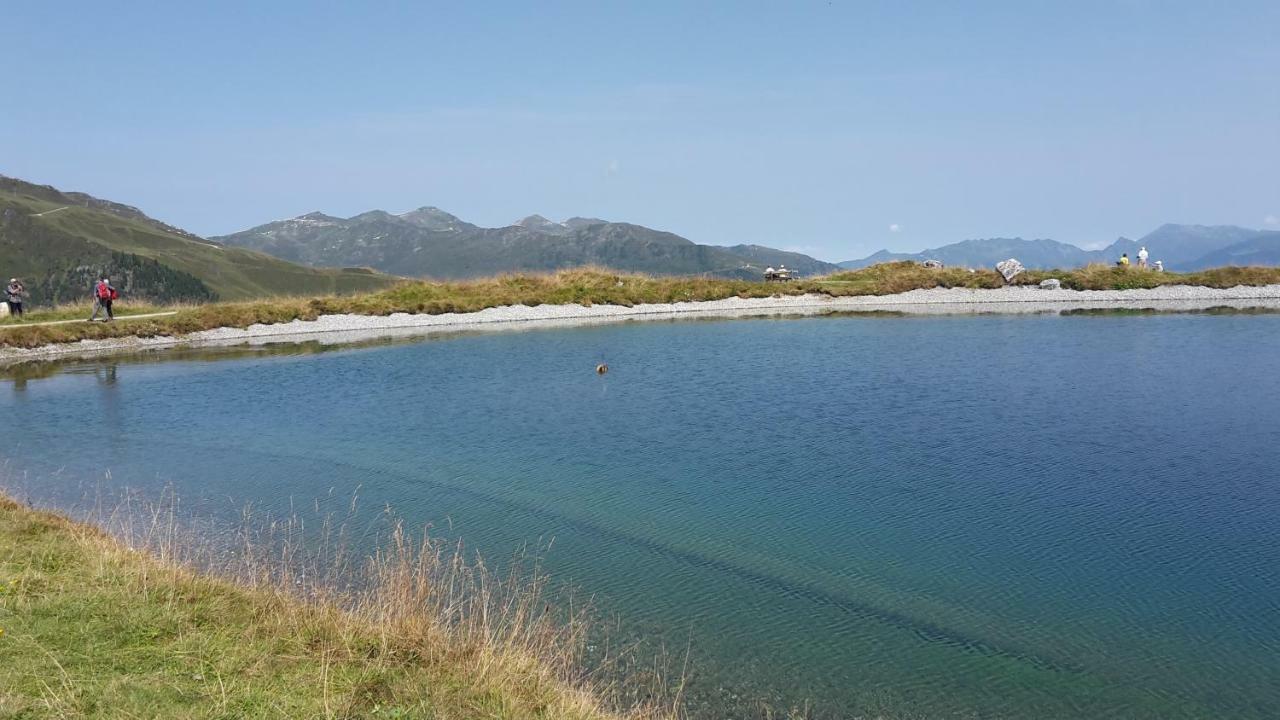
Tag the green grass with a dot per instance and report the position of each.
(92, 628)
(593, 286)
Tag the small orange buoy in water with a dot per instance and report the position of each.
(602, 369)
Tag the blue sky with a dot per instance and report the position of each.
(834, 128)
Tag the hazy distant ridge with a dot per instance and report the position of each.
(1181, 247)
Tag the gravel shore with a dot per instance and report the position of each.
(347, 328)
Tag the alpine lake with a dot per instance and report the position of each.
(1038, 516)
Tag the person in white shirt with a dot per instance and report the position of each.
(1159, 266)
(1142, 257)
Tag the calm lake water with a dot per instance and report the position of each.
(1045, 516)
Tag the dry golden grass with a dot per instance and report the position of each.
(898, 277)
(141, 623)
(1110, 277)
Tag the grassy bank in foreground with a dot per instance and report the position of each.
(598, 286)
(92, 628)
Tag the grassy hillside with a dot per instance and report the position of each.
(598, 286)
(92, 628)
(56, 244)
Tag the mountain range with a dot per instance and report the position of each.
(429, 242)
(58, 242)
(1183, 248)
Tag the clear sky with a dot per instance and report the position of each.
(834, 128)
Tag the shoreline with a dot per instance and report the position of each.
(934, 301)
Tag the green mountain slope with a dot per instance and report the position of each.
(58, 241)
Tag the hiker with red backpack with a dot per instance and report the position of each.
(103, 296)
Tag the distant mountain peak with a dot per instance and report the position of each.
(428, 211)
(581, 222)
(316, 217)
(372, 215)
(538, 222)
(433, 218)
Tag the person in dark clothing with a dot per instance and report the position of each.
(13, 295)
(103, 296)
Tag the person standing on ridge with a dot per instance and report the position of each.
(1142, 257)
(13, 295)
(1123, 261)
(103, 296)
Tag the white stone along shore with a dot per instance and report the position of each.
(352, 328)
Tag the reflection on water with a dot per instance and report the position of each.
(22, 372)
(1042, 516)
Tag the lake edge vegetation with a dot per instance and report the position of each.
(593, 286)
(93, 623)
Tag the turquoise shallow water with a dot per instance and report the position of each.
(1045, 516)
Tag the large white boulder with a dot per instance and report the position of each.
(1010, 269)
